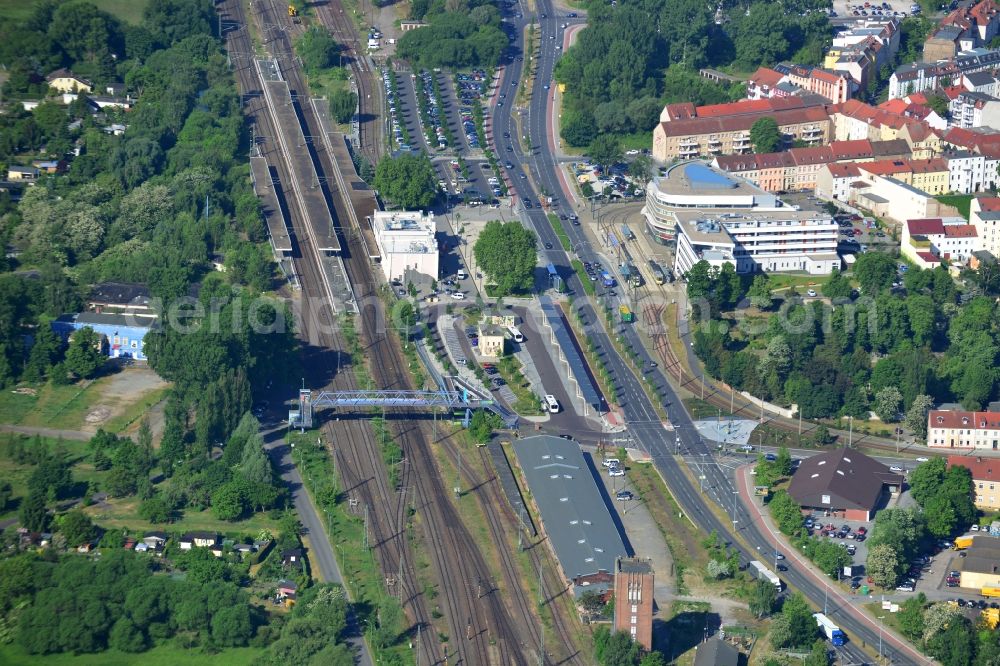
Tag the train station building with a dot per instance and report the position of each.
(406, 241)
(575, 511)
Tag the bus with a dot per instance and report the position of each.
(657, 272)
(635, 278)
(552, 404)
(516, 334)
(606, 279)
(627, 233)
(627, 316)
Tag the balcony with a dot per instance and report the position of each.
(689, 152)
(714, 141)
(688, 143)
(742, 141)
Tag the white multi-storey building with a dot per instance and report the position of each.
(406, 242)
(963, 430)
(722, 219)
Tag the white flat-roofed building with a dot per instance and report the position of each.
(406, 242)
(722, 219)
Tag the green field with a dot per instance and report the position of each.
(164, 655)
(129, 11)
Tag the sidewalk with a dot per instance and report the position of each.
(778, 541)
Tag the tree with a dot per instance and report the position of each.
(653, 658)
(955, 644)
(763, 597)
(343, 104)
(818, 656)
(941, 517)
(605, 150)
(126, 636)
(888, 402)
(641, 168)
(765, 135)
(883, 565)
(801, 625)
(408, 181)
(507, 253)
(255, 466)
(821, 436)
(317, 49)
(483, 424)
(84, 357)
(155, 510)
(937, 617)
(786, 511)
(232, 626)
(916, 416)
(938, 104)
(874, 271)
(229, 502)
(760, 292)
(77, 527)
(620, 650)
(6, 493)
(33, 514)
(837, 286)
(911, 617)
(926, 479)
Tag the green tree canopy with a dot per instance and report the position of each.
(408, 181)
(765, 135)
(507, 253)
(84, 356)
(317, 49)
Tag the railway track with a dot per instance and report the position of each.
(483, 622)
(366, 77)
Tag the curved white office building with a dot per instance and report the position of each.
(719, 218)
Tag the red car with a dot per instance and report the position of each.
(862, 530)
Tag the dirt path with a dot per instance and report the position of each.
(53, 433)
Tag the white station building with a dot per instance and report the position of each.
(719, 218)
(406, 242)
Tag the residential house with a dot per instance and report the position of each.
(20, 173)
(107, 102)
(834, 180)
(917, 77)
(985, 479)
(950, 429)
(50, 166)
(287, 590)
(946, 42)
(199, 540)
(979, 22)
(120, 298)
(716, 652)
(930, 175)
(491, 340)
(155, 541)
(844, 483)
(981, 82)
(928, 242)
(291, 557)
(66, 81)
(967, 172)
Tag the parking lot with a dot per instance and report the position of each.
(867, 10)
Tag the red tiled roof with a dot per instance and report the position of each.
(894, 105)
(886, 167)
(811, 155)
(929, 165)
(989, 203)
(983, 469)
(747, 106)
(960, 231)
(951, 92)
(929, 257)
(680, 111)
(918, 98)
(765, 76)
(946, 418)
(855, 149)
(843, 169)
(774, 160)
(918, 131)
(743, 121)
(823, 75)
(736, 163)
(925, 226)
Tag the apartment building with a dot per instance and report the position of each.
(919, 76)
(833, 182)
(974, 109)
(789, 79)
(864, 34)
(928, 242)
(855, 120)
(950, 429)
(980, 21)
(985, 479)
(686, 132)
(984, 215)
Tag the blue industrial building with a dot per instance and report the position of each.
(122, 335)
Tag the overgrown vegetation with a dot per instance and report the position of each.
(457, 35)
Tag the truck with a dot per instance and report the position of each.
(763, 573)
(990, 592)
(830, 630)
(626, 314)
(963, 542)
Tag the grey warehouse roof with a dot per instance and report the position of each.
(576, 519)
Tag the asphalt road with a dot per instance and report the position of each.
(644, 424)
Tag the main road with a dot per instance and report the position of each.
(538, 170)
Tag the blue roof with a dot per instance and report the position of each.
(704, 177)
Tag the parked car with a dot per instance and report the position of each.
(616, 471)
(624, 495)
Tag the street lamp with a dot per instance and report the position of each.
(880, 618)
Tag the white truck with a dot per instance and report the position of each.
(829, 629)
(763, 573)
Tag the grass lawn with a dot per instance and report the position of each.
(163, 655)
(959, 201)
(129, 11)
(124, 513)
(123, 397)
(784, 281)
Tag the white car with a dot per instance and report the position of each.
(897, 469)
(616, 471)
(922, 459)
(632, 152)
(458, 296)
(811, 293)
(611, 462)
(975, 528)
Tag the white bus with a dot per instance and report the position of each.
(552, 404)
(516, 334)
